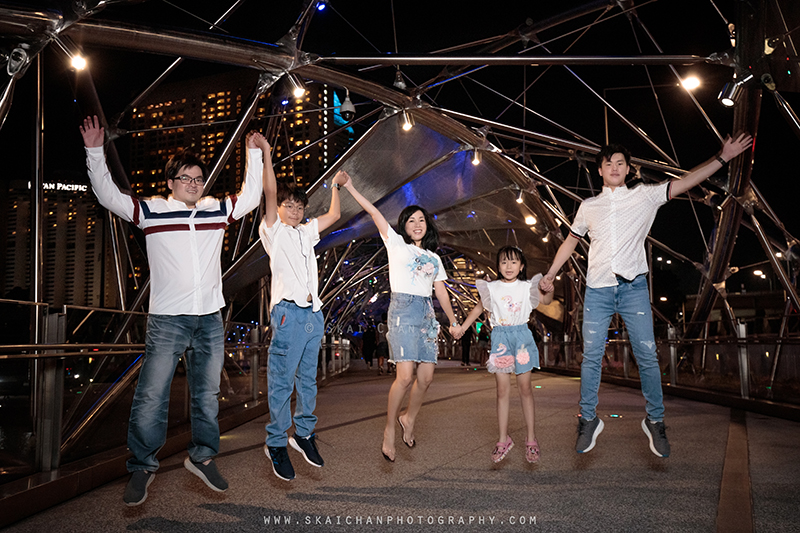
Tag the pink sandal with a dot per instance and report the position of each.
(501, 449)
(532, 451)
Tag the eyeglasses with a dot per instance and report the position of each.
(186, 180)
(293, 207)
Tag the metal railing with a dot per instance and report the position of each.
(70, 398)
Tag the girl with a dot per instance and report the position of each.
(510, 301)
(414, 268)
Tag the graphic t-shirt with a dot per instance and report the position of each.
(412, 270)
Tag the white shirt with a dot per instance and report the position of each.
(183, 244)
(293, 262)
(509, 304)
(618, 222)
(412, 270)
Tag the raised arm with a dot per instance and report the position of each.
(93, 134)
(270, 186)
(444, 300)
(103, 186)
(730, 149)
(325, 221)
(377, 217)
(249, 196)
(562, 255)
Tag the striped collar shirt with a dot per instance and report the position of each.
(183, 244)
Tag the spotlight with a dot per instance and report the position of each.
(690, 83)
(347, 109)
(732, 90)
(729, 94)
(476, 157)
(408, 121)
(530, 220)
(78, 62)
(399, 82)
(519, 197)
(321, 5)
(298, 90)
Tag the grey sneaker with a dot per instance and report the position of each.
(281, 464)
(308, 447)
(588, 430)
(136, 490)
(208, 473)
(657, 434)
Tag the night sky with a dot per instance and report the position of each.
(348, 28)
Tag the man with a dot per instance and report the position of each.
(184, 234)
(618, 221)
(295, 318)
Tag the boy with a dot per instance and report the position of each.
(295, 318)
(618, 221)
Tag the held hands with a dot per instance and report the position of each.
(93, 133)
(731, 148)
(256, 140)
(342, 179)
(546, 283)
(457, 331)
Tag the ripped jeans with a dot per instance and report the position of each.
(631, 300)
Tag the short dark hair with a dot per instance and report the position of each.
(512, 252)
(608, 150)
(184, 158)
(430, 241)
(289, 192)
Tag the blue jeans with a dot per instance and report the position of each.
(631, 300)
(293, 355)
(168, 338)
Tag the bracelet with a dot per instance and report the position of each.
(454, 324)
(721, 161)
(337, 186)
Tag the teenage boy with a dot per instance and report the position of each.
(295, 318)
(617, 222)
(184, 234)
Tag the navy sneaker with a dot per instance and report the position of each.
(657, 434)
(281, 464)
(588, 430)
(208, 473)
(308, 447)
(136, 490)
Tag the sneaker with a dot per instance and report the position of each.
(308, 447)
(136, 490)
(501, 449)
(208, 473)
(532, 452)
(281, 464)
(657, 434)
(588, 430)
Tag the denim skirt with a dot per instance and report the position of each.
(413, 333)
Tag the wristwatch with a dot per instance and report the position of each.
(454, 324)
(337, 186)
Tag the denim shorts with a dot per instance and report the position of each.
(513, 350)
(413, 333)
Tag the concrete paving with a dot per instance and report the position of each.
(448, 482)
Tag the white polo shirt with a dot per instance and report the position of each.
(293, 262)
(183, 244)
(618, 222)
